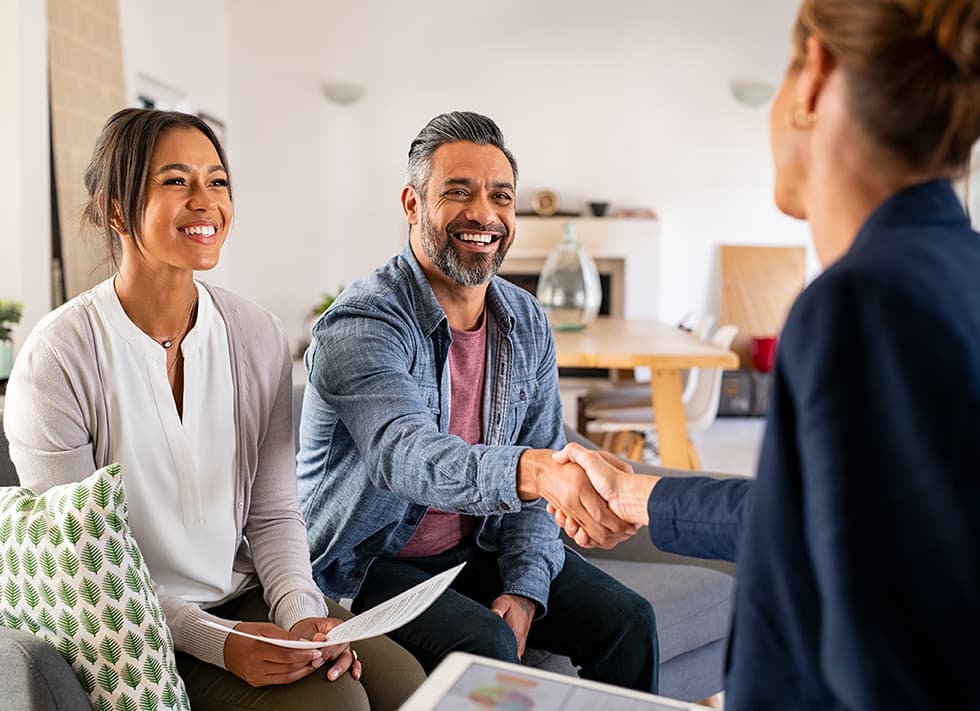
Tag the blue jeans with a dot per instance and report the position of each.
(606, 629)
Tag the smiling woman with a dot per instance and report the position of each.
(184, 385)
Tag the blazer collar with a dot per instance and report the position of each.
(931, 203)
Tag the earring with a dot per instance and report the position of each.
(800, 119)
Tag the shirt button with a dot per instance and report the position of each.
(505, 506)
(358, 573)
(523, 395)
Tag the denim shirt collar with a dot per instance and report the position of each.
(430, 312)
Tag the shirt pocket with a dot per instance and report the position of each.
(523, 393)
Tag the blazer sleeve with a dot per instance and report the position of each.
(698, 516)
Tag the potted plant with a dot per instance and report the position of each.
(325, 302)
(10, 313)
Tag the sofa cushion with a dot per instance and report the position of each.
(72, 574)
(693, 605)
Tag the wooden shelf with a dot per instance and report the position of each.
(549, 217)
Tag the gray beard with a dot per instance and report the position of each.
(452, 263)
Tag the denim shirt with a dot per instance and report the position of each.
(375, 448)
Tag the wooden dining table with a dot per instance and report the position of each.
(620, 343)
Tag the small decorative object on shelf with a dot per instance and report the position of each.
(10, 313)
(569, 289)
(544, 203)
(598, 208)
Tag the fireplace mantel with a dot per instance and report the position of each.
(633, 241)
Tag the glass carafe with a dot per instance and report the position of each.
(569, 288)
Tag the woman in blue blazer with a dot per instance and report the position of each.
(858, 545)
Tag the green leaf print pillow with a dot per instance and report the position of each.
(72, 574)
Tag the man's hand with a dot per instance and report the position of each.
(518, 613)
(262, 664)
(316, 628)
(613, 479)
(565, 486)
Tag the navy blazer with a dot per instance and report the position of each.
(858, 546)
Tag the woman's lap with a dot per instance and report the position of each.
(390, 675)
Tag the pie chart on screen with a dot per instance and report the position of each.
(501, 699)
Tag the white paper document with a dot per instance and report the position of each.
(379, 620)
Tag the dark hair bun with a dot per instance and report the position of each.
(955, 25)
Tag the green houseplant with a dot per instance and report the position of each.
(322, 305)
(326, 302)
(10, 313)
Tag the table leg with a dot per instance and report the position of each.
(668, 412)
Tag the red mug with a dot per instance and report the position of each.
(764, 353)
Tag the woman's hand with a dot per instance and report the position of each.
(262, 664)
(344, 657)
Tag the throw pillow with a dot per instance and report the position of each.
(72, 574)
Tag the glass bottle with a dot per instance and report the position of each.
(568, 288)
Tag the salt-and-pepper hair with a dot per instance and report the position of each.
(453, 127)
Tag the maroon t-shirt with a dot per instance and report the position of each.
(439, 530)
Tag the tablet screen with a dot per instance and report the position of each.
(481, 687)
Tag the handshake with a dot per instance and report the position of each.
(595, 496)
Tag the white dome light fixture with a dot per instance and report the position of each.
(752, 93)
(342, 93)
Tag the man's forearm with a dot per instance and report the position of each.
(532, 470)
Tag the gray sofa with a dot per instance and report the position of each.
(692, 600)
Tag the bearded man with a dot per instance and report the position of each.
(429, 421)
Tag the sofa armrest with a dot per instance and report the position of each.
(35, 676)
(639, 548)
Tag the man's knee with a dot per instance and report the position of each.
(637, 612)
(634, 619)
(489, 636)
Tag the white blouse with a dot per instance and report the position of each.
(179, 474)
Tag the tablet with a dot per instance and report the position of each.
(465, 682)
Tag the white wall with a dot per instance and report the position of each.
(625, 100)
(180, 45)
(25, 242)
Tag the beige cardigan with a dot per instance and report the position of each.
(56, 420)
